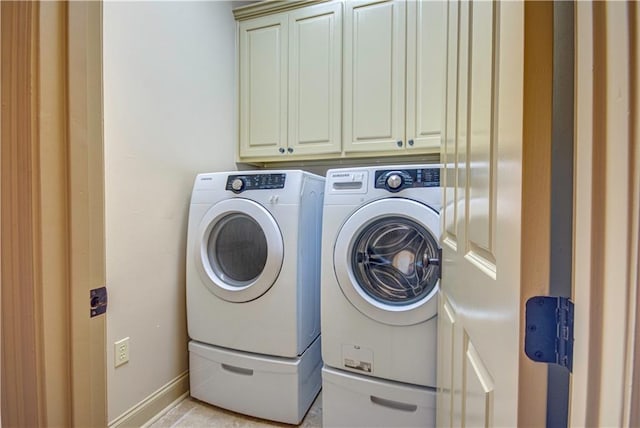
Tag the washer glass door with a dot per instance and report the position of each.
(240, 250)
(393, 261)
(386, 260)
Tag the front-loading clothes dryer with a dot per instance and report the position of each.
(253, 261)
(253, 278)
(380, 272)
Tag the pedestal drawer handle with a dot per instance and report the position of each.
(405, 407)
(237, 370)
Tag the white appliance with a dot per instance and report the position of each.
(253, 278)
(253, 261)
(380, 271)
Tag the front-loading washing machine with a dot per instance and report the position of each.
(380, 272)
(253, 291)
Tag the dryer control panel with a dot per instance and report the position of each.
(241, 182)
(396, 180)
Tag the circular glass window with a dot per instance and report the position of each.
(394, 261)
(237, 249)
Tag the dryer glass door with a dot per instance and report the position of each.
(237, 249)
(240, 250)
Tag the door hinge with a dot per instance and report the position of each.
(98, 301)
(549, 330)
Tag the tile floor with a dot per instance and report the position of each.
(192, 413)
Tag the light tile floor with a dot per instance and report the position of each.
(192, 413)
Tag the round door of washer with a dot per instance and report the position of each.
(386, 260)
(239, 250)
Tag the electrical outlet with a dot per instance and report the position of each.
(121, 351)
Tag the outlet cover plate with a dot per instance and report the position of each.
(121, 351)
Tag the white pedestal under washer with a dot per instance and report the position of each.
(380, 271)
(253, 261)
(351, 400)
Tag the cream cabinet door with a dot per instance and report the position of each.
(263, 86)
(374, 67)
(315, 80)
(425, 73)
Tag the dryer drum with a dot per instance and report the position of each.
(392, 261)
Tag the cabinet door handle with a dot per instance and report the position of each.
(411, 142)
(290, 149)
(281, 149)
(399, 143)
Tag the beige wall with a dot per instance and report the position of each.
(169, 113)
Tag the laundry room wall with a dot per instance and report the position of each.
(169, 113)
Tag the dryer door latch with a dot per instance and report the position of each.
(549, 330)
(98, 301)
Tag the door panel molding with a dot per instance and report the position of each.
(481, 144)
(446, 340)
(453, 188)
(478, 389)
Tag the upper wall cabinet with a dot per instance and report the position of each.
(426, 43)
(313, 85)
(263, 85)
(393, 83)
(290, 66)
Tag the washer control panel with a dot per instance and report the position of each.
(395, 180)
(241, 182)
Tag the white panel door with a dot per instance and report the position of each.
(315, 80)
(480, 306)
(263, 86)
(425, 73)
(374, 67)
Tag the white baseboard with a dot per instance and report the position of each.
(154, 406)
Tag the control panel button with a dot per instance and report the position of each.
(394, 181)
(237, 184)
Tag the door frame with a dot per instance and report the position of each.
(52, 216)
(605, 382)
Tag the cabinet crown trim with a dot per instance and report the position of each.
(268, 7)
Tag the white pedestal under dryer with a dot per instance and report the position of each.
(380, 278)
(253, 278)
